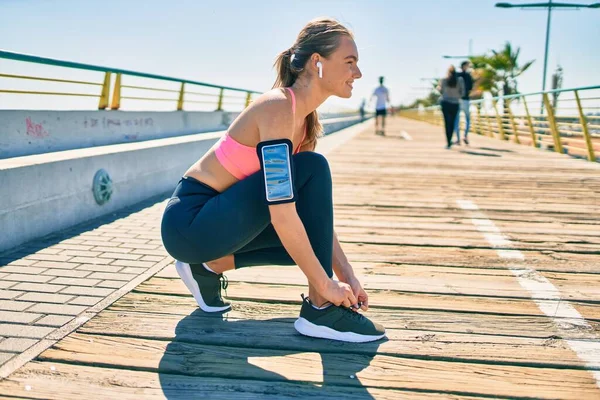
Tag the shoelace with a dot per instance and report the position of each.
(352, 314)
(224, 282)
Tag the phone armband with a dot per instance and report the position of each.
(276, 164)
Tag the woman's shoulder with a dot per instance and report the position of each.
(272, 106)
(275, 100)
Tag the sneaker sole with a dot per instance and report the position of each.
(307, 328)
(185, 273)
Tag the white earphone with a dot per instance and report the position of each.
(320, 67)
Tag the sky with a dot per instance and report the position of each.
(234, 43)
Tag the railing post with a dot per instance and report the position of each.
(584, 127)
(499, 121)
(552, 122)
(105, 94)
(248, 96)
(529, 120)
(489, 133)
(116, 98)
(479, 130)
(512, 123)
(180, 101)
(220, 104)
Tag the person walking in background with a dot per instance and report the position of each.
(452, 88)
(465, 104)
(382, 95)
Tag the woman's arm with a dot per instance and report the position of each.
(276, 121)
(291, 231)
(345, 273)
(342, 268)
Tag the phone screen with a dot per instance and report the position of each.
(278, 182)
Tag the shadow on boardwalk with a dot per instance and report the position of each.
(193, 353)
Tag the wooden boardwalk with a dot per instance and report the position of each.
(451, 246)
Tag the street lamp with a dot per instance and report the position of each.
(470, 51)
(456, 56)
(549, 5)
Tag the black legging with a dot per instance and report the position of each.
(450, 110)
(200, 224)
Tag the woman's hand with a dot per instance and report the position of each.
(339, 293)
(359, 293)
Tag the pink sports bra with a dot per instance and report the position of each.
(240, 160)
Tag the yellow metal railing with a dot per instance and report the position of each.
(566, 121)
(124, 86)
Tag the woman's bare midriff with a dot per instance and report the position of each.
(209, 170)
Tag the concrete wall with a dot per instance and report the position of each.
(45, 193)
(36, 132)
(25, 133)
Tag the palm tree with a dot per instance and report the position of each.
(498, 71)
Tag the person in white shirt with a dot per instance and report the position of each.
(383, 99)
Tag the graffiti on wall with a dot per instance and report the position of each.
(35, 130)
(107, 123)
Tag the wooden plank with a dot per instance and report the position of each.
(439, 321)
(405, 212)
(197, 327)
(486, 207)
(368, 194)
(443, 225)
(377, 298)
(457, 215)
(495, 286)
(482, 258)
(466, 232)
(375, 370)
(74, 382)
(576, 288)
(470, 241)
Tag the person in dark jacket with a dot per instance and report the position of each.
(452, 88)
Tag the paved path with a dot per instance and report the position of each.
(483, 264)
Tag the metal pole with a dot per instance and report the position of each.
(584, 128)
(547, 44)
(180, 100)
(553, 127)
(105, 94)
(116, 99)
(499, 122)
(530, 122)
(546, 51)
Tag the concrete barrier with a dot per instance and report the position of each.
(37, 132)
(45, 193)
(24, 133)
